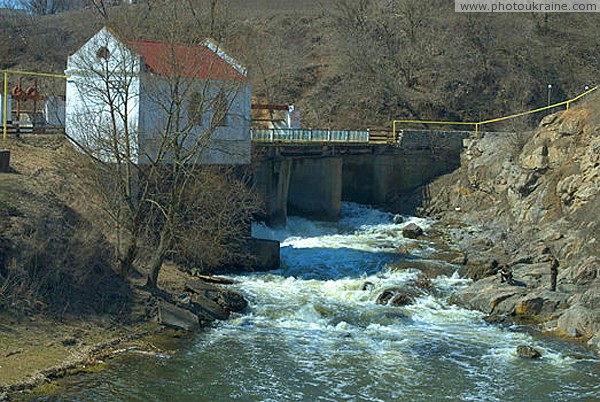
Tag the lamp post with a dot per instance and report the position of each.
(549, 92)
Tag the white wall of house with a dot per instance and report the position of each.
(102, 97)
(145, 104)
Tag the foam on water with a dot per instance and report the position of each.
(313, 333)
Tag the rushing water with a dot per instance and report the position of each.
(313, 334)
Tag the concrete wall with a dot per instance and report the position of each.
(320, 177)
(271, 181)
(316, 188)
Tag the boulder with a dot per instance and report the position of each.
(398, 219)
(528, 352)
(232, 301)
(208, 310)
(401, 300)
(176, 317)
(412, 231)
(384, 297)
(367, 286)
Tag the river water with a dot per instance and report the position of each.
(313, 334)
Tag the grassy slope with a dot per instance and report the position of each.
(32, 330)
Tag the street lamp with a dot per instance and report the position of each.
(549, 92)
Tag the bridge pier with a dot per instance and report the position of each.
(315, 189)
(272, 180)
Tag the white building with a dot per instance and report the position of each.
(143, 100)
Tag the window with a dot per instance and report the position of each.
(220, 107)
(103, 53)
(195, 109)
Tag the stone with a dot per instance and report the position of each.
(232, 301)
(176, 317)
(367, 286)
(529, 307)
(398, 219)
(384, 297)
(401, 300)
(412, 231)
(528, 352)
(203, 289)
(209, 310)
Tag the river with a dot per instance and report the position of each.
(313, 334)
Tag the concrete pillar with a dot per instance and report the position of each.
(316, 188)
(4, 161)
(271, 180)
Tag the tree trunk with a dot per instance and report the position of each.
(157, 261)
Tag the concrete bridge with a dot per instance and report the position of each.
(311, 174)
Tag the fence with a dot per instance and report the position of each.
(301, 135)
(5, 73)
(477, 125)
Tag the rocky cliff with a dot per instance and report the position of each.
(524, 199)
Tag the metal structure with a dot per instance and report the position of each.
(477, 125)
(308, 135)
(21, 95)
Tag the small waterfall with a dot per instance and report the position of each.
(314, 331)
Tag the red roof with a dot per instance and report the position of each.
(197, 61)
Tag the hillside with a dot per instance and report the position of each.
(523, 199)
(351, 64)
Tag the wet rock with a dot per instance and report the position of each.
(496, 319)
(209, 310)
(232, 301)
(528, 352)
(412, 231)
(384, 297)
(176, 317)
(401, 300)
(573, 332)
(367, 286)
(398, 219)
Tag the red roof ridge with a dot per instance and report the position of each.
(193, 57)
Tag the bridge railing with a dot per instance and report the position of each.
(308, 135)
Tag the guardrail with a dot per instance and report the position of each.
(308, 135)
(478, 124)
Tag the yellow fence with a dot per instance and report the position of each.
(477, 125)
(6, 73)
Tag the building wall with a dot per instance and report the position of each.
(223, 145)
(144, 104)
(102, 97)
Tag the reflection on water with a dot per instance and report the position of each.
(313, 334)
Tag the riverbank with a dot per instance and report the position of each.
(35, 349)
(525, 199)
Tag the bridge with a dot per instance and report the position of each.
(310, 172)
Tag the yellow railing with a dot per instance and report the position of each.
(477, 125)
(5, 92)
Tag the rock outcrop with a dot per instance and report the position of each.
(524, 199)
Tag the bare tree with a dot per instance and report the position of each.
(148, 132)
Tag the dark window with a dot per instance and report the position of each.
(195, 109)
(220, 107)
(103, 53)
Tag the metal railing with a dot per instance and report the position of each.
(308, 135)
(477, 125)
